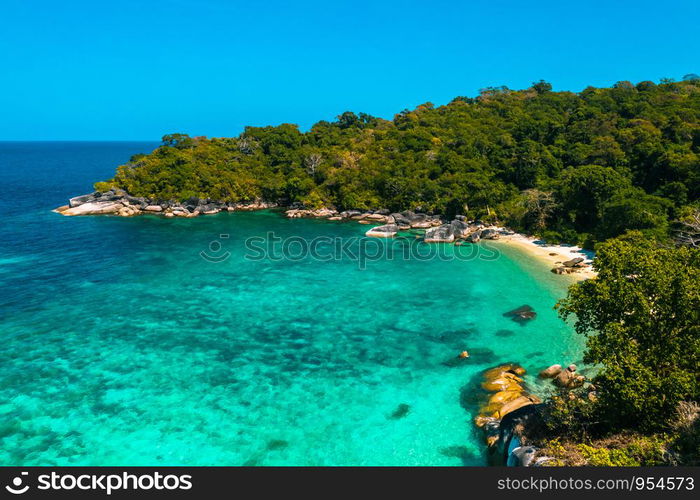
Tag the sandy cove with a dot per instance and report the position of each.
(544, 252)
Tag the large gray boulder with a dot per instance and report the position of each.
(459, 228)
(440, 234)
(385, 231)
(94, 208)
(551, 371)
(79, 200)
(474, 237)
(111, 195)
(401, 219)
(489, 234)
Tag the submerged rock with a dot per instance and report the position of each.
(461, 452)
(276, 444)
(400, 411)
(521, 314)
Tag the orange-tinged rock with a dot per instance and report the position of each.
(502, 384)
(481, 420)
(513, 405)
(503, 397)
(501, 369)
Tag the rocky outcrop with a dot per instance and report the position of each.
(475, 237)
(94, 208)
(386, 231)
(475, 233)
(551, 372)
(573, 262)
(118, 202)
(318, 213)
(564, 378)
(249, 206)
(569, 379)
(570, 266)
(420, 221)
(490, 234)
(563, 270)
(440, 234)
(460, 228)
(508, 407)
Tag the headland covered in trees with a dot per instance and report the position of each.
(574, 167)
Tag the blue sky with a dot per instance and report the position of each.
(132, 70)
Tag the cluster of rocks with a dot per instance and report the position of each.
(569, 266)
(564, 378)
(403, 220)
(504, 416)
(296, 213)
(118, 202)
(460, 229)
(436, 231)
(511, 417)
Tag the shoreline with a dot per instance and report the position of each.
(385, 224)
(543, 252)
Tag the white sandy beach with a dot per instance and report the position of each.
(553, 255)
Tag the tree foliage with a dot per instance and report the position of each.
(609, 156)
(641, 316)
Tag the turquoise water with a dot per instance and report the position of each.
(122, 345)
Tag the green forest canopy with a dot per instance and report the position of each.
(582, 167)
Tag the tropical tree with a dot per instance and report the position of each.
(641, 317)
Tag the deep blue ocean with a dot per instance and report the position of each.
(124, 342)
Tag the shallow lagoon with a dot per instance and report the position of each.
(122, 345)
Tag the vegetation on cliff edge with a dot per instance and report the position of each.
(580, 167)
